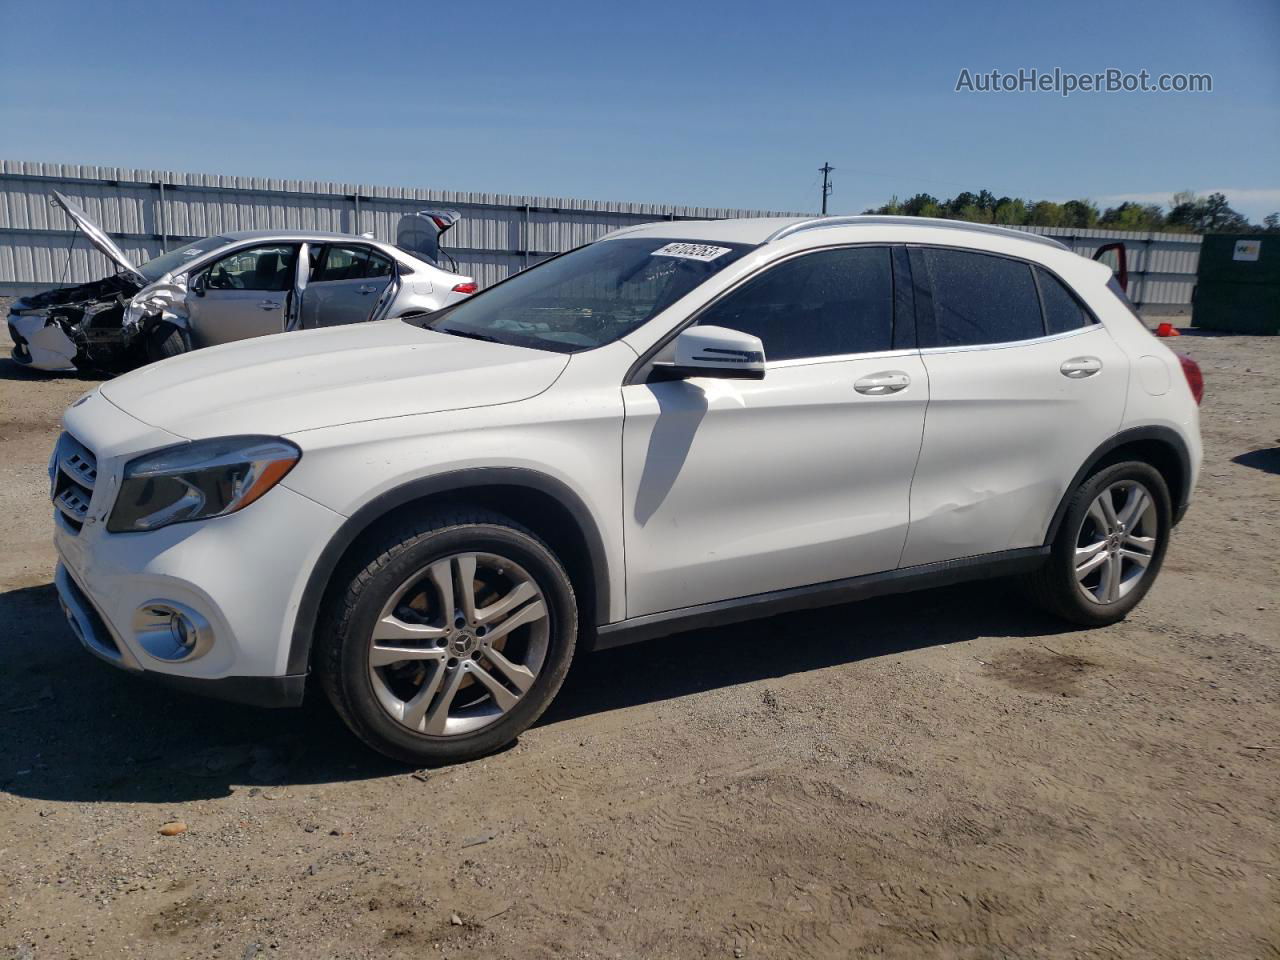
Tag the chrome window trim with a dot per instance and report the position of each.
(840, 358)
(1009, 344)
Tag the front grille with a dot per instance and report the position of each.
(75, 471)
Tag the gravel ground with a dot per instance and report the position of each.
(946, 774)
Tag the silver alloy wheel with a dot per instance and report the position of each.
(459, 644)
(1116, 542)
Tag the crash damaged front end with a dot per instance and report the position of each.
(76, 328)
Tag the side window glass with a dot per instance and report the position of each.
(1062, 312)
(821, 304)
(258, 268)
(980, 298)
(379, 266)
(343, 263)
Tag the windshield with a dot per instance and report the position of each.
(153, 270)
(587, 297)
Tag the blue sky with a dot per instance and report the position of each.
(725, 104)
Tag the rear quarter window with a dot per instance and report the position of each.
(1062, 311)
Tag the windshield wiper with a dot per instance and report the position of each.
(467, 333)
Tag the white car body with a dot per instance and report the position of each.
(693, 502)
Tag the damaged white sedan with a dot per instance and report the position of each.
(231, 287)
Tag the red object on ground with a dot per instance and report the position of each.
(1167, 330)
(1195, 379)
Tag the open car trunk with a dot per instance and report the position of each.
(422, 235)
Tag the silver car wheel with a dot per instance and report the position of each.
(1116, 542)
(459, 644)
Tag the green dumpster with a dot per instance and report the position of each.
(1238, 284)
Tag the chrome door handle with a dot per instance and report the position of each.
(269, 305)
(368, 288)
(879, 384)
(1077, 368)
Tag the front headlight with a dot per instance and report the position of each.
(195, 481)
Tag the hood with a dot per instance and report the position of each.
(305, 380)
(112, 286)
(97, 236)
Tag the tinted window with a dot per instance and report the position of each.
(343, 263)
(978, 298)
(258, 268)
(1062, 312)
(819, 305)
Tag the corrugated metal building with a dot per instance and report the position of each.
(148, 211)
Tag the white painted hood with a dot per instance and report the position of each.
(298, 381)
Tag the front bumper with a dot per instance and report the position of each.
(40, 344)
(97, 637)
(240, 577)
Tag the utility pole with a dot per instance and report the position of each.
(825, 170)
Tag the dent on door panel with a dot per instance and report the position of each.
(1005, 431)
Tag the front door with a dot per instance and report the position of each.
(244, 294)
(1024, 385)
(345, 285)
(738, 487)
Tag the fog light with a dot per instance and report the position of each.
(171, 631)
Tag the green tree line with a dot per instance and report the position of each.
(1187, 213)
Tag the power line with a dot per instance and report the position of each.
(827, 187)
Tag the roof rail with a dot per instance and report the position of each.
(817, 223)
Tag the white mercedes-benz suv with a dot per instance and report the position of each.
(680, 424)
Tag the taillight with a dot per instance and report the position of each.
(1195, 379)
(469, 287)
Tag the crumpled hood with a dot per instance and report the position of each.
(291, 382)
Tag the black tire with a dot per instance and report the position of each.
(1054, 586)
(397, 555)
(165, 340)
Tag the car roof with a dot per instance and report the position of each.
(239, 235)
(766, 229)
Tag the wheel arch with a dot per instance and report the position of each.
(542, 503)
(1159, 446)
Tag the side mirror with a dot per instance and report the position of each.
(196, 284)
(714, 352)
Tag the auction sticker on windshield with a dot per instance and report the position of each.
(691, 251)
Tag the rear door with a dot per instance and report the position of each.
(1024, 384)
(345, 285)
(244, 294)
(741, 487)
